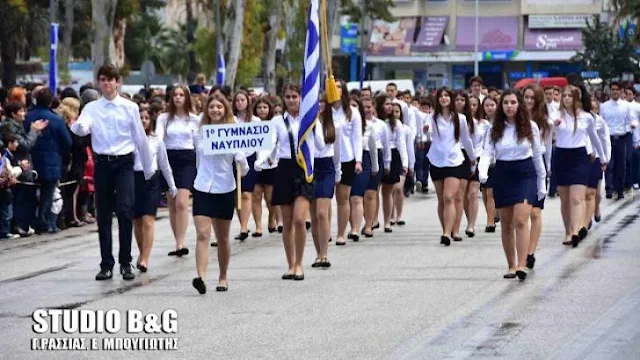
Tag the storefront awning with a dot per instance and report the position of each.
(431, 32)
(495, 32)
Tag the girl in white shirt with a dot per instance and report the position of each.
(448, 129)
(571, 162)
(514, 141)
(242, 112)
(291, 191)
(463, 107)
(409, 152)
(326, 175)
(147, 194)
(489, 108)
(480, 128)
(350, 124)
(178, 128)
(534, 100)
(214, 197)
(266, 174)
(595, 177)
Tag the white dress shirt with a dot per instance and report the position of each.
(508, 148)
(618, 115)
(409, 116)
(481, 127)
(567, 138)
(324, 150)
(160, 161)
(179, 133)
(605, 139)
(369, 144)
(283, 150)
(351, 134)
(410, 144)
(115, 129)
(445, 151)
(635, 115)
(215, 172)
(398, 141)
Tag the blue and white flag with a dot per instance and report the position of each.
(53, 63)
(221, 68)
(309, 106)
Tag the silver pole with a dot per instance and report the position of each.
(475, 53)
(218, 39)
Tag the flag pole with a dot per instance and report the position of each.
(238, 186)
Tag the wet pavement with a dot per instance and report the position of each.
(399, 295)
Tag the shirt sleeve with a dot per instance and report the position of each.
(593, 136)
(161, 126)
(386, 146)
(465, 137)
(336, 160)
(605, 137)
(401, 145)
(411, 150)
(356, 139)
(163, 165)
(82, 127)
(538, 150)
(486, 158)
(548, 145)
(142, 143)
(373, 153)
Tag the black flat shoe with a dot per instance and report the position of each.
(243, 236)
(298, 277)
(470, 233)
(104, 275)
(367, 235)
(199, 285)
(590, 225)
(376, 226)
(393, 223)
(521, 274)
(490, 229)
(256, 234)
(317, 263)
(355, 237)
(496, 220)
(402, 223)
(325, 263)
(597, 218)
(566, 242)
(330, 240)
(142, 268)
(179, 252)
(307, 224)
(509, 276)
(575, 240)
(214, 244)
(280, 228)
(531, 261)
(222, 287)
(583, 233)
(388, 230)
(287, 277)
(445, 240)
(350, 236)
(456, 238)
(272, 230)
(338, 243)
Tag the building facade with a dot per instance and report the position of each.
(433, 41)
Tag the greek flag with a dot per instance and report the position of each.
(221, 68)
(310, 91)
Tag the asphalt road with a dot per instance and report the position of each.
(399, 295)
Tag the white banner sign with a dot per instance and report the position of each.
(231, 138)
(557, 21)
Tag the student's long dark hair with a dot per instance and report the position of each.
(539, 112)
(393, 121)
(379, 101)
(344, 100)
(522, 122)
(263, 100)
(328, 127)
(467, 109)
(361, 110)
(452, 110)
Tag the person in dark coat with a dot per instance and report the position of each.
(47, 154)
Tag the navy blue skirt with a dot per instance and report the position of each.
(393, 177)
(291, 184)
(324, 177)
(267, 177)
(489, 183)
(249, 181)
(147, 194)
(348, 170)
(361, 181)
(183, 166)
(571, 166)
(595, 174)
(217, 206)
(515, 183)
(375, 181)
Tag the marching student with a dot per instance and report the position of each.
(114, 147)
(242, 112)
(534, 100)
(147, 192)
(519, 176)
(422, 163)
(572, 163)
(178, 128)
(480, 128)
(349, 122)
(398, 189)
(463, 106)
(447, 167)
(489, 108)
(292, 192)
(214, 196)
(326, 174)
(595, 173)
(266, 175)
(370, 168)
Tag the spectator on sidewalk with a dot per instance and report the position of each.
(9, 172)
(52, 145)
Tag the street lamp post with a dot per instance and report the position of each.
(475, 52)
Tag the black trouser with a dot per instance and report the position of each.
(47, 188)
(113, 177)
(69, 211)
(617, 167)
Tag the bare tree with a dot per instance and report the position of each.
(275, 18)
(234, 38)
(65, 48)
(103, 51)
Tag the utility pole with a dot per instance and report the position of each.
(363, 35)
(218, 40)
(476, 69)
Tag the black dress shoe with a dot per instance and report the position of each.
(243, 236)
(317, 263)
(376, 226)
(298, 277)
(496, 220)
(521, 274)
(531, 261)
(575, 240)
(214, 244)
(341, 243)
(222, 287)
(490, 229)
(142, 268)
(256, 234)
(280, 229)
(272, 230)
(287, 276)
(583, 233)
(325, 263)
(104, 274)
(470, 233)
(307, 224)
(445, 240)
(355, 237)
(590, 225)
(350, 236)
(509, 276)
(456, 238)
(393, 223)
(388, 230)
(597, 218)
(179, 252)
(367, 235)
(199, 285)
(402, 223)
(127, 274)
(609, 196)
